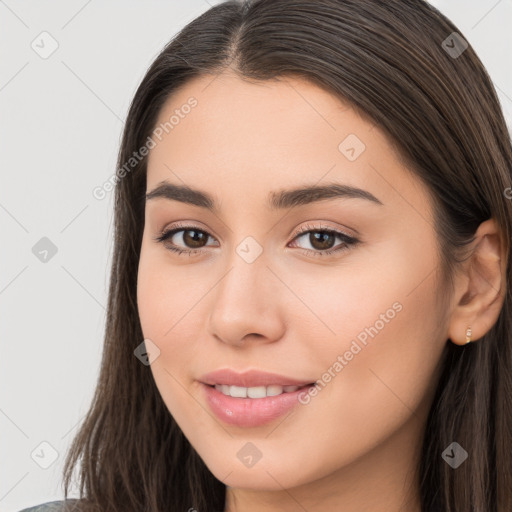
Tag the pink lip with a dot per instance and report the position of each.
(249, 412)
(251, 378)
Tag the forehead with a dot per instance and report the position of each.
(261, 136)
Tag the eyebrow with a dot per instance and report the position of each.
(277, 200)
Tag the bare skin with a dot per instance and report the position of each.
(355, 445)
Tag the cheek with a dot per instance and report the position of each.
(165, 292)
(165, 321)
(372, 293)
(382, 339)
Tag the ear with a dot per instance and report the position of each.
(481, 286)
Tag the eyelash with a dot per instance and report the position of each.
(347, 240)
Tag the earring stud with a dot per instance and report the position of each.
(468, 335)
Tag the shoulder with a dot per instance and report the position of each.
(55, 506)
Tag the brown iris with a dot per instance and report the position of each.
(194, 241)
(321, 240)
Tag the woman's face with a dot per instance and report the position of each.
(273, 287)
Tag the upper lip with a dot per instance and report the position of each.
(251, 378)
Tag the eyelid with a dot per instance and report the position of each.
(322, 227)
(185, 226)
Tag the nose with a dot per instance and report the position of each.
(246, 306)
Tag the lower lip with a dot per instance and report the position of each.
(250, 412)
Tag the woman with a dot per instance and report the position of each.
(310, 302)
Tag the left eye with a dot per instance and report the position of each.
(193, 240)
(324, 240)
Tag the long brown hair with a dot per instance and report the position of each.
(390, 61)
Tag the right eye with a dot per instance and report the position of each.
(192, 239)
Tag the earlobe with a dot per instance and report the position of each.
(481, 288)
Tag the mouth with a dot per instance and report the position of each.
(254, 406)
(252, 397)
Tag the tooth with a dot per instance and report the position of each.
(238, 392)
(274, 390)
(257, 392)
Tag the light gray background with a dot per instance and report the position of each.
(62, 119)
